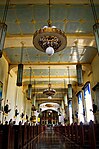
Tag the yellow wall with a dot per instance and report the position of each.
(93, 76)
(95, 70)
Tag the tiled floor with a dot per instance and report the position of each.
(52, 140)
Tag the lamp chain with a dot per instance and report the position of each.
(30, 74)
(22, 52)
(49, 74)
(76, 46)
(34, 86)
(94, 11)
(68, 74)
(49, 21)
(64, 86)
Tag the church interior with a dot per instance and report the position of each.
(49, 75)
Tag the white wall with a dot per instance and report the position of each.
(4, 80)
(14, 97)
(12, 93)
(4, 75)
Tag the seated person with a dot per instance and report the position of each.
(94, 107)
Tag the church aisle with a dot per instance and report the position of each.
(52, 140)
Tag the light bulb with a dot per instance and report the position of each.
(49, 97)
(50, 51)
(53, 26)
(45, 27)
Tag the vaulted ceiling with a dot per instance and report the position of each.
(71, 16)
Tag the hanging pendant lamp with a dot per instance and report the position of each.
(19, 74)
(96, 25)
(3, 28)
(20, 69)
(65, 94)
(79, 74)
(78, 66)
(65, 100)
(33, 108)
(69, 90)
(29, 96)
(34, 99)
(34, 96)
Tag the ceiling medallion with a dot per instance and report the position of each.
(49, 39)
(49, 92)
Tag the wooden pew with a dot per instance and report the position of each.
(76, 132)
(3, 136)
(18, 136)
(96, 127)
(92, 136)
(87, 136)
(10, 137)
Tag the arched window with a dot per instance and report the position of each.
(88, 102)
(70, 111)
(80, 108)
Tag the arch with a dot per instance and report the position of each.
(49, 106)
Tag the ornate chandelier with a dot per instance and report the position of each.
(49, 92)
(49, 39)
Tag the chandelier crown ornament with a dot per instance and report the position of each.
(49, 39)
(49, 92)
